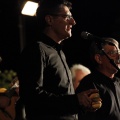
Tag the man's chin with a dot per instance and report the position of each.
(68, 36)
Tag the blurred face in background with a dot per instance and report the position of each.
(79, 75)
(104, 63)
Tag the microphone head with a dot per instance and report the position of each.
(86, 35)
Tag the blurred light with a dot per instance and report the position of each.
(29, 8)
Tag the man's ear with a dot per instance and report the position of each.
(98, 58)
(48, 19)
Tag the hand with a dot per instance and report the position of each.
(85, 101)
(96, 100)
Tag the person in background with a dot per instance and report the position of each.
(105, 56)
(46, 87)
(78, 72)
(8, 100)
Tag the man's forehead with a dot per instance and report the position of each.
(112, 42)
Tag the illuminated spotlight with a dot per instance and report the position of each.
(29, 8)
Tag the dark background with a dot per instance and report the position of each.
(99, 17)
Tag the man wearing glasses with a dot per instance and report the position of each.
(105, 57)
(43, 68)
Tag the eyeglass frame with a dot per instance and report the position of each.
(113, 53)
(66, 16)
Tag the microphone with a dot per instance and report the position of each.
(98, 40)
(87, 35)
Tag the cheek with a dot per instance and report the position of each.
(59, 26)
(104, 60)
(79, 76)
(107, 63)
(62, 25)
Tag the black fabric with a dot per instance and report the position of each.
(45, 82)
(109, 90)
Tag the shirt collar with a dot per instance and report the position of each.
(47, 40)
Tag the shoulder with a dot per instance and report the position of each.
(43, 46)
(87, 78)
(86, 83)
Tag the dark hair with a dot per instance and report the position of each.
(47, 7)
(95, 47)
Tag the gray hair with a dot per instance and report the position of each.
(94, 49)
(79, 67)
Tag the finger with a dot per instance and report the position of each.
(92, 91)
(87, 101)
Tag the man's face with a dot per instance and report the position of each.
(62, 23)
(113, 53)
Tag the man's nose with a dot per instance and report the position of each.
(72, 21)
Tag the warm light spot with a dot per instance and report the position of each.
(29, 8)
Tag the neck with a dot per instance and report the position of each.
(107, 73)
(52, 35)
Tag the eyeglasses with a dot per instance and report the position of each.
(113, 53)
(68, 17)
